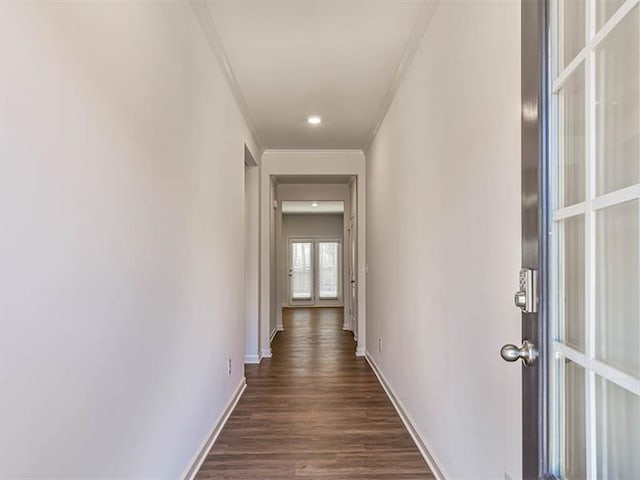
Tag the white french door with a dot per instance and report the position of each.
(301, 272)
(595, 259)
(315, 271)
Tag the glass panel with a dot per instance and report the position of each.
(604, 10)
(573, 29)
(572, 159)
(574, 465)
(301, 271)
(573, 287)
(617, 287)
(617, 106)
(618, 432)
(328, 269)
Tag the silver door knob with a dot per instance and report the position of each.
(527, 352)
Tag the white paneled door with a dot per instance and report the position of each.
(594, 381)
(315, 271)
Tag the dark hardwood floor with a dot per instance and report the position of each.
(314, 411)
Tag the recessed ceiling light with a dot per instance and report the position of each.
(314, 204)
(314, 119)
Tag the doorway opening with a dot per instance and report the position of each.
(312, 234)
(314, 227)
(313, 177)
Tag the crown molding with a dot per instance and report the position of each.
(420, 26)
(205, 19)
(313, 152)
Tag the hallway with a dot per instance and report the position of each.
(321, 239)
(314, 410)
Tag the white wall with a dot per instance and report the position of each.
(443, 239)
(252, 263)
(306, 226)
(270, 320)
(122, 232)
(300, 225)
(305, 162)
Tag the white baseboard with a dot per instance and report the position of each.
(197, 460)
(421, 443)
(281, 328)
(360, 352)
(266, 353)
(273, 334)
(252, 359)
(346, 326)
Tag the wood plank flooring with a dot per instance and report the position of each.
(314, 411)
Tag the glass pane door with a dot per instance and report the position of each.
(301, 271)
(595, 152)
(328, 270)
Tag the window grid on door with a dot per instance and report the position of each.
(328, 269)
(315, 270)
(301, 270)
(580, 212)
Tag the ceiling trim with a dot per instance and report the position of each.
(418, 31)
(205, 19)
(313, 152)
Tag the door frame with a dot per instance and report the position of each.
(535, 233)
(352, 297)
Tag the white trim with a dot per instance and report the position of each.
(205, 19)
(569, 70)
(420, 26)
(273, 334)
(423, 446)
(346, 327)
(570, 211)
(310, 163)
(568, 352)
(589, 245)
(609, 373)
(617, 197)
(618, 377)
(280, 328)
(360, 351)
(198, 459)
(252, 359)
(266, 353)
(612, 22)
(320, 153)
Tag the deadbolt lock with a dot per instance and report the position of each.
(526, 298)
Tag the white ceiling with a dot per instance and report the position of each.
(340, 59)
(321, 207)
